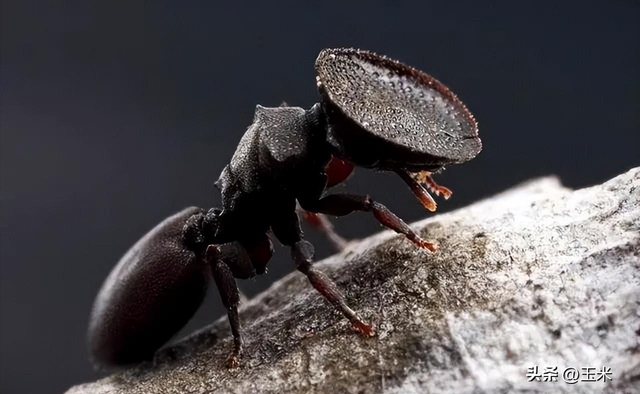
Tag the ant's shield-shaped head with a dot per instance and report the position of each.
(404, 117)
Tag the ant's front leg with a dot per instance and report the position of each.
(230, 295)
(344, 204)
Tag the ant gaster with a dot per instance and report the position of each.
(374, 112)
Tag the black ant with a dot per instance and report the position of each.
(374, 112)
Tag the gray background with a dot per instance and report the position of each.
(117, 114)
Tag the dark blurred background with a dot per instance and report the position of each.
(116, 114)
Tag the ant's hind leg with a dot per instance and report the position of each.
(344, 204)
(230, 295)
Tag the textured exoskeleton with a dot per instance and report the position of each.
(374, 112)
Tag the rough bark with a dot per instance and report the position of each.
(536, 276)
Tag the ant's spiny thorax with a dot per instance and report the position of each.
(280, 143)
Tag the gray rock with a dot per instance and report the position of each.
(536, 276)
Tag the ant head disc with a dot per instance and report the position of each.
(409, 118)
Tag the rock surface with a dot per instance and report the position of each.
(536, 276)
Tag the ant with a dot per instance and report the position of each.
(374, 112)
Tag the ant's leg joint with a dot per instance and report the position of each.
(302, 253)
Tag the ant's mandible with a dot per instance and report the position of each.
(374, 112)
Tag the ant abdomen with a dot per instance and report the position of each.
(153, 291)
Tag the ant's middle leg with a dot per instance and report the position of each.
(288, 231)
(344, 204)
(302, 253)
